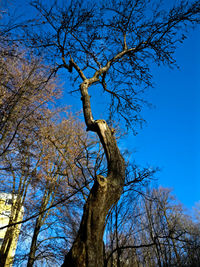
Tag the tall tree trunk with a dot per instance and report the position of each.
(31, 257)
(39, 222)
(87, 249)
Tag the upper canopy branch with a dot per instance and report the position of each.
(114, 44)
(77, 68)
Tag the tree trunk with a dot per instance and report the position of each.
(87, 249)
(31, 257)
(39, 222)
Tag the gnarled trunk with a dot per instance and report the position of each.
(87, 249)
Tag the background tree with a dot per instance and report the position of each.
(152, 230)
(64, 169)
(60, 164)
(25, 91)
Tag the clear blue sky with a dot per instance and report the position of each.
(171, 138)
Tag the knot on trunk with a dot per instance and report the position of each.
(102, 181)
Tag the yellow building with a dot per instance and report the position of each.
(6, 206)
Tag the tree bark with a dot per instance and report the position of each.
(31, 257)
(39, 222)
(87, 249)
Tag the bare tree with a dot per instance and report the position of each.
(151, 230)
(24, 90)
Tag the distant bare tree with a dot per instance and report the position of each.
(24, 93)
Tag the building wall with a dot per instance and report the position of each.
(7, 203)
